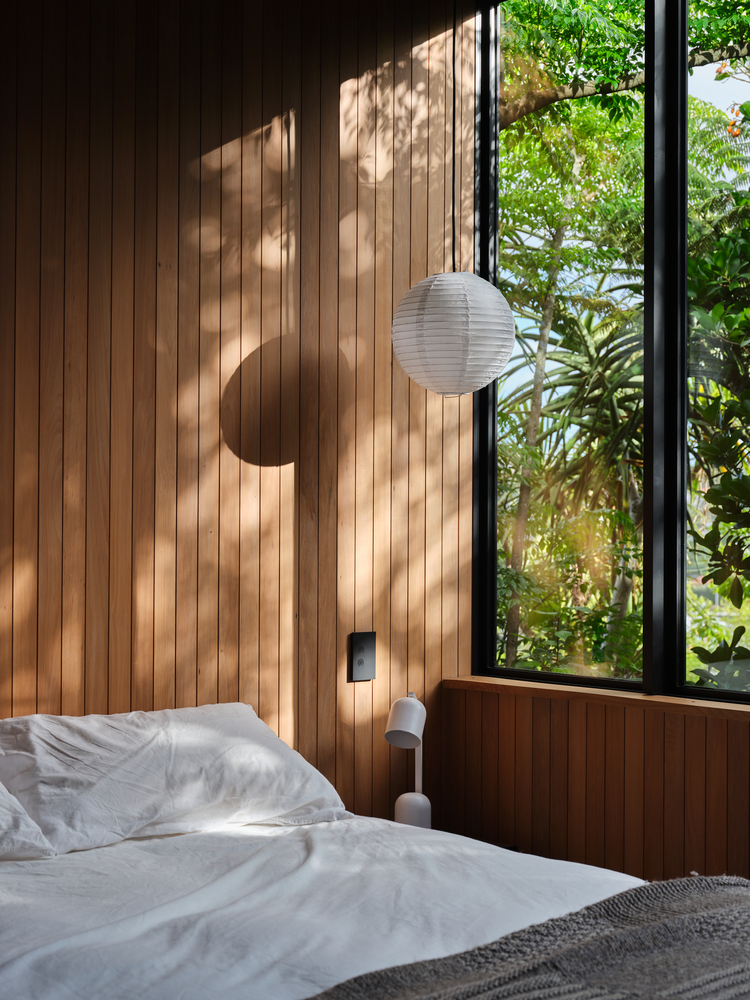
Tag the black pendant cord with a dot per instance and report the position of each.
(453, 159)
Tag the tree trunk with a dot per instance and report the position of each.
(535, 413)
(623, 587)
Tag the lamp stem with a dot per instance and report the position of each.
(418, 768)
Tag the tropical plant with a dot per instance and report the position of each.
(554, 52)
(571, 264)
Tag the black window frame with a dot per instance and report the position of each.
(665, 376)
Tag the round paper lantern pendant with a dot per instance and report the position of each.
(453, 333)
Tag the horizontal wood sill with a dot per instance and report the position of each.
(571, 692)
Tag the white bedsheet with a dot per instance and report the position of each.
(266, 913)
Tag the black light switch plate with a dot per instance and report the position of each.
(362, 656)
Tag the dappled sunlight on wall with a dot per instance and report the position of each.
(246, 235)
(216, 470)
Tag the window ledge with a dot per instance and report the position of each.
(570, 692)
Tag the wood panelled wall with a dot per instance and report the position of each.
(656, 787)
(211, 470)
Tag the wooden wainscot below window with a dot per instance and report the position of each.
(654, 786)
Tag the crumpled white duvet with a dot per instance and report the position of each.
(266, 912)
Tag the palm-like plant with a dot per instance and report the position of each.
(586, 492)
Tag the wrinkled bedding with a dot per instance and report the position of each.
(267, 912)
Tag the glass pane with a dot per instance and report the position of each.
(718, 571)
(570, 411)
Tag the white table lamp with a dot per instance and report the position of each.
(405, 727)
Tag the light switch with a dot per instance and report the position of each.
(362, 656)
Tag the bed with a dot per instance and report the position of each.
(191, 854)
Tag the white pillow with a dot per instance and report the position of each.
(96, 779)
(20, 837)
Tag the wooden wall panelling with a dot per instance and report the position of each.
(74, 378)
(364, 487)
(290, 374)
(144, 361)
(52, 305)
(26, 445)
(451, 146)
(656, 787)
(595, 773)
(449, 570)
(230, 349)
(188, 359)
(506, 767)
(251, 371)
(558, 802)
(674, 795)
(400, 391)
(695, 793)
(270, 389)
(465, 54)
(490, 831)
(347, 389)
(8, 173)
(417, 395)
(270, 416)
(716, 796)
(614, 787)
(99, 360)
(434, 433)
(540, 775)
(738, 806)
(524, 763)
(454, 762)
(465, 262)
(210, 362)
(473, 767)
(653, 795)
(121, 360)
(167, 248)
(383, 355)
(577, 781)
(328, 389)
(633, 790)
(310, 273)
(213, 419)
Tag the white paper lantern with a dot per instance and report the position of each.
(453, 333)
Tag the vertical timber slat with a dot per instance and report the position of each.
(52, 306)
(716, 796)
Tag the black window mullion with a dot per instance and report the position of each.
(665, 328)
(484, 554)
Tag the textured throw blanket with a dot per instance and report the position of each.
(684, 939)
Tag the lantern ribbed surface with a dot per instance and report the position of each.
(453, 333)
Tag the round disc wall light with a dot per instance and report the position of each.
(453, 333)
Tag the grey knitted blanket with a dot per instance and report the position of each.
(683, 940)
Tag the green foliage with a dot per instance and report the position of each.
(551, 42)
(580, 174)
(719, 293)
(571, 239)
(717, 23)
(727, 666)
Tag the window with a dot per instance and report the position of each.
(612, 462)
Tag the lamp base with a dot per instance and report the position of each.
(414, 809)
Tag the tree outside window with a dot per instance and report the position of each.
(570, 457)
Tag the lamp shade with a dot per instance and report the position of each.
(453, 333)
(406, 723)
